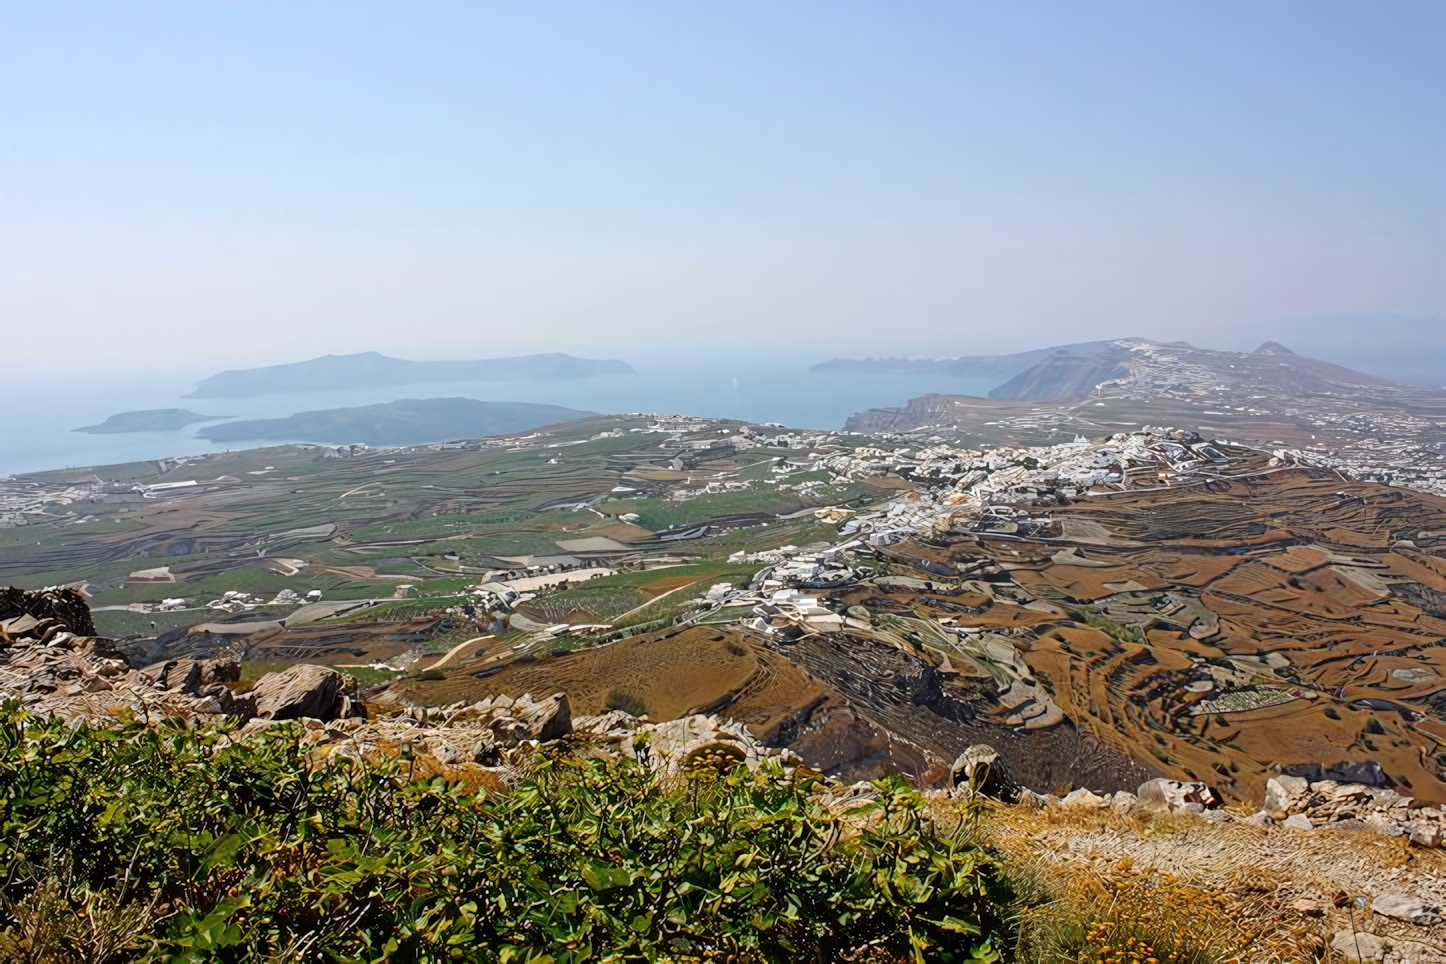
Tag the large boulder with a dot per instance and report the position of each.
(549, 719)
(62, 609)
(317, 692)
(192, 676)
(528, 719)
(982, 770)
(678, 744)
(1177, 795)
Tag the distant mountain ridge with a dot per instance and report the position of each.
(966, 366)
(1410, 349)
(371, 369)
(1132, 367)
(408, 421)
(1136, 368)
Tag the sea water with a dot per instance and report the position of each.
(36, 428)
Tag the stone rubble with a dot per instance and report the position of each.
(1292, 802)
(1305, 805)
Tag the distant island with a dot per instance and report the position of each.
(151, 420)
(408, 421)
(370, 369)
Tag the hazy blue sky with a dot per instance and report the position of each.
(262, 182)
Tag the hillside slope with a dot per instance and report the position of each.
(370, 369)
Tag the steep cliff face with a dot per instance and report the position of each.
(1064, 376)
(925, 410)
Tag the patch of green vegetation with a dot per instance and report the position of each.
(1125, 631)
(382, 589)
(174, 842)
(724, 571)
(627, 702)
(259, 582)
(402, 609)
(436, 588)
(119, 624)
(658, 514)
(367, 675)
(797, 532)
(672, 606)
(604, 602)
(399, 567)
(434, 526)
(255, 670)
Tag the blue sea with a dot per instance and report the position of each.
(38, 416)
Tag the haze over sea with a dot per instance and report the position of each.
(37, 434)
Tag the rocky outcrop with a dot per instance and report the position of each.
(1179, 796)
(983, 771)
(61, 608)
(543, 721)
(1304, 805)
(315, 692)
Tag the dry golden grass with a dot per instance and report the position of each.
(1096, 885)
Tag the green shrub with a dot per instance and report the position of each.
(197, 848)
(627, 702)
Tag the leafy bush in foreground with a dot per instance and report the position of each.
(208, 850)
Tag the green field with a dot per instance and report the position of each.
(397, 512)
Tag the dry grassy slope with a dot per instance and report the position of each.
(1259, 894)
(673, 673)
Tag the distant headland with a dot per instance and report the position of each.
(370, 369)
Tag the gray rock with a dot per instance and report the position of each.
(508, 731)
(983, 770)
(1425, 834)
(1034, 801)
(1298, 821)
(1359, 946)
(192, 676)
(1163, 794)
(550, 719)
(1284, 794)
(315, 692)
(1259, 819)
(1084, 798)
(1407, 908)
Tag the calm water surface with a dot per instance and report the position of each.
(36, 417)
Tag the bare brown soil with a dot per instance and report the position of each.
(673, 674)
(1320, 596)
